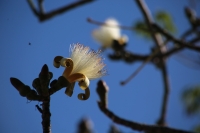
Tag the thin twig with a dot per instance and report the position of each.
(194, 40)
(149, 20)
(45, 16)
(172, 51)
(39, 109)
(175, 40)
(149, 58)
(188, 60)
(33, 8)
(103, 23)
(161, 120)
(138, 126)
(177, 49)
(187, 33)
(41, 8)
(127, 56)
(159, 42)
(115, 26)
(65, 8)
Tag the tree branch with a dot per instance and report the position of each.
(194, 40)
(187, 33)
(127, 56)
(45, 16)
(138, 126)
(44, 78)
(46, 115)
(116, 26)
(149, 20)
(150, 57)
(175, 40)
(177, 49)
(39, 109)
(159, 42)
(40, 5)
(161, 120)
(33, 8)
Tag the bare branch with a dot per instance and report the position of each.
(194, 40)
(138, 126)
(117, 26)
(40, 5)
(45, 16)
(177, 49)
(140, 67)
(149, 20)
(33, 8)
(187, 33)
(159, 42)
(175, 40)
(161, 120)
(44, 77)
(127, 56)
(46, 115)
(39, 109)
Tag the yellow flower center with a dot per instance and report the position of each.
(81, 78)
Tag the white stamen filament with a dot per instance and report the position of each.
(87, 62)
(84, 65)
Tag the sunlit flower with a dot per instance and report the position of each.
(108, 32)
(83, 65)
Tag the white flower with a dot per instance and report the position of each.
(83, 65)
(108, 32)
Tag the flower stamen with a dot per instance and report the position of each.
(83, 65)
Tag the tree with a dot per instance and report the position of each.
(159, 30)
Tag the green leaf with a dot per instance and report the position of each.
(191, 100)
(140, 28)
(165, 20)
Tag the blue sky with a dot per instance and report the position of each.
(139, 100)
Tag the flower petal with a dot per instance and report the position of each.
(56, 61)
(68, 63)
(83, 84)
(85, 96)
(81, 78)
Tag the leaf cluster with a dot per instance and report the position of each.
(162, 18)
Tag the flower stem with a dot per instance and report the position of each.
(46, 115)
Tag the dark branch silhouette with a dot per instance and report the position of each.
(117, 26)
(161, 120)
(42, 16)
(138, 126)
(158, 57)
(140, 67)
(102, 90)
(175, 40)
(41, 93)
(162, 64)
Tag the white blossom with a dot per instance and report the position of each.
(108, 32)
(87, 61)
(83, 65)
